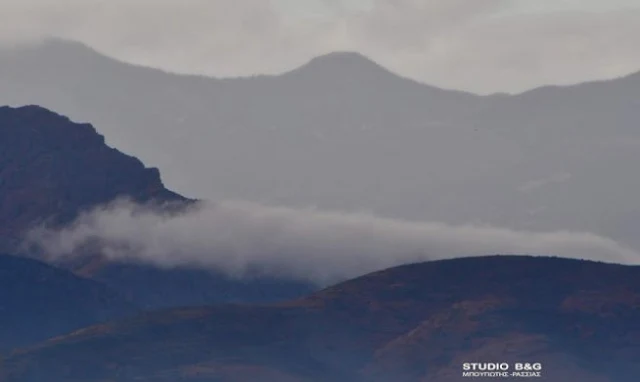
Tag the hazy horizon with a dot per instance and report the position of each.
(345, 135)
(55, 40)
(485, 46)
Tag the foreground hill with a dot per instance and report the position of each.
(417, 322)
(52, 168)
(38, 301)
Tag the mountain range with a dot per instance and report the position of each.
(553, 158)
(340, 132)
(91, 318)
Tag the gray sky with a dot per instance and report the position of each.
(478, 45)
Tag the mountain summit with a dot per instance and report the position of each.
(53, 168)
(337, 64)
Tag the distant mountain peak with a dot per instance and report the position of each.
(343, 58)
(336, 63)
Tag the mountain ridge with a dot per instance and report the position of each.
(353, 56)
(412, 140)
(417, 322)
(42, 178)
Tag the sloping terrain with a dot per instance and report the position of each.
(418, 322)
(38, 301)
(52, 168)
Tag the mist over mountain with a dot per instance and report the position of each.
(342, 133)
(52, 170)
(418, 322)
(245, 240)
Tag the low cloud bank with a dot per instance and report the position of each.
(242, 238)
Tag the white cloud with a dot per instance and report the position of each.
(480, 45)
(302, 244)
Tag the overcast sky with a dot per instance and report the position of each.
(478, 45)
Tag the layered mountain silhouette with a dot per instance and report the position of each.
(52, 169)
(340, 132)
(417, 322)
(38, 301)
(343, 133)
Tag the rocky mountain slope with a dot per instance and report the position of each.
(52, 168)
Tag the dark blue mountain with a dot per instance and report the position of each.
(52, 168)
(415, 323)
(38, 301)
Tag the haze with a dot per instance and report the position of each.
(483, 46)
(344, 132)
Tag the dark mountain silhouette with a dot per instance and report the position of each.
(155, 288)
(51, 169)
(343, 133)
(417, 322)
(38, 301)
